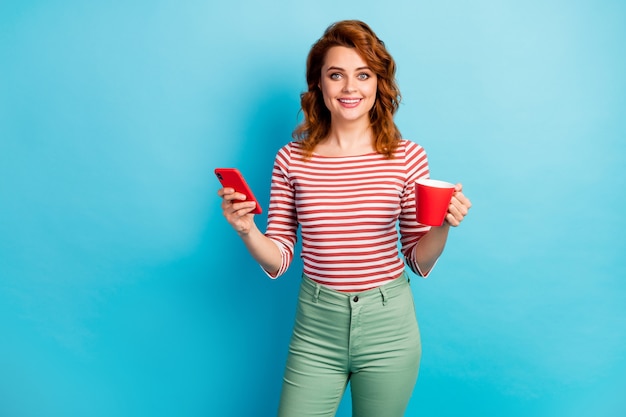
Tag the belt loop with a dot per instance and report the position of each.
(316, 295)
(383, 294)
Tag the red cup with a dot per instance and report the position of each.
(432, 199)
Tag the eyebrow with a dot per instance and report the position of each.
(341, 69)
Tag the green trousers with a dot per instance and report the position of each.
(370, 339)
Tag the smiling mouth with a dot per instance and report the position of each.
(349, 100)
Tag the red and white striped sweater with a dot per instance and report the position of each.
(349, 209)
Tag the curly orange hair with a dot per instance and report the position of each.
(316, 124)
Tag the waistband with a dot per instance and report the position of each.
(384, 292)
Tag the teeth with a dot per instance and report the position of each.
(349, 101)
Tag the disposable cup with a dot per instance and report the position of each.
(432, 199)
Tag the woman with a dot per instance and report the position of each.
(348, 181)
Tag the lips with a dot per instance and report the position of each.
(349, 102)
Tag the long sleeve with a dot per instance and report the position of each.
(410, 230)
(282, 221)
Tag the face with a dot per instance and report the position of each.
(348, 85)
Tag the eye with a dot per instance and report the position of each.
(363, 76)
(335, 76)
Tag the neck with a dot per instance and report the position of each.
(355, 137)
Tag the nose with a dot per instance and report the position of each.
(349, 87)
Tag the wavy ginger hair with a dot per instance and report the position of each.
(316, 124)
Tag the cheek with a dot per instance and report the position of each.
(327, 94)
(372, 94)
(323, 89)
(373, 90)
(326, 97)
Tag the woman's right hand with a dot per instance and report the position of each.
(237, 211)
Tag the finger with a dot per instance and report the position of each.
(231, 197)
(455, 212)
(461, 198)
(227, 202)
(241, 209)
(452, 221)
(225, 191)
(459, 205)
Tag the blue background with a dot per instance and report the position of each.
(123, 292)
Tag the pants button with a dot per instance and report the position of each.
(356, 298)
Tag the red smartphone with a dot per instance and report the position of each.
(232, 178)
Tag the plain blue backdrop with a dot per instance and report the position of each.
(123, 292)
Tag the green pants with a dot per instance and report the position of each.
(370, 339)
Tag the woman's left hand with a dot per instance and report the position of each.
(459, 206)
